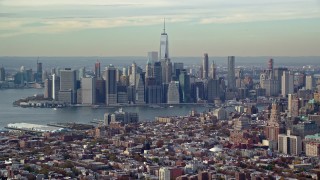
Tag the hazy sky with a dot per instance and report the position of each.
(133, 27)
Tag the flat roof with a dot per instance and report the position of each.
(34, 127)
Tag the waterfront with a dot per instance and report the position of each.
(11, 114)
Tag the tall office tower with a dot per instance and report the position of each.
(39, 72)
(184, 81)
(48, 89)
(82, 73)
(122, 94)
(55, 86)
(2, 74)
(140, 90)
(124, 71)
(133, 75)
(177, 67)
(231, 74)
(44, 75)
(157, 72)
(163, 70)
(173, 93)
(124, 80)
(131, 91)
(289, 144)
(271, 87)
(287, 83)
(97, 71)
(29, 76)
(213, 90)
(119, 74)
(153, 56)
(68, 86)
(205, 66)
(111, 85)
(88, 90)
(168, 71)
(309, 82)
(100, 91)
(277, 75)
(153, 91)
(273, 127)
(149, 69)
(197, 91)
(293, 105)
(270, 64)
(213, 74)
(239, 76)
(164, 44)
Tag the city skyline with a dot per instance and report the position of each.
(104, 28)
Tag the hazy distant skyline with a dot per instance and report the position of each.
(132, 28)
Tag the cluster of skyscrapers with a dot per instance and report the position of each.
(161, 82)
(23, 77)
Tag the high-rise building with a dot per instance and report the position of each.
(153, 56)
(213, 90)
(153, 91)
(111, 85)
(197, 91)
(239, 76)
(81, 73)
(39, 72)
(164, 44)
(277, 74)
(205, 66)
(289, 144)
(100, 91)
(213, 74)
(68, 83)
(293, 105)
(88, 90)
(55, 86)
(140, 90)
(273, 127)
(149, 69)
(97, 71)
(157, 72)
(231, 73)
(270, 64)
(184, 81)
(166, 70)
(287, 83)
(177, 68)
(48, 88)
(305, 128)
(309, 82)
(173, 93)
(133, 75)
(122, 92)
(2, 74)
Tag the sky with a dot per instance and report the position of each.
(132, 28)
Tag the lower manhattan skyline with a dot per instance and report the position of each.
(123, 28)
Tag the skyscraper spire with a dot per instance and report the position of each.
(164, 25)
(164, 49)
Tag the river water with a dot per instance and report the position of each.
(11, 114)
